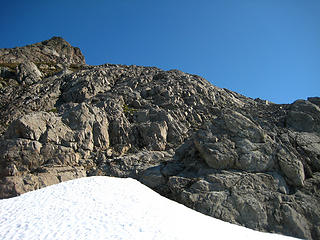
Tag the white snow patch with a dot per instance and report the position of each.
(110, 208)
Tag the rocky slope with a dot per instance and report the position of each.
(245, 161)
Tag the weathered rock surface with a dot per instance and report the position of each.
(245, 161)
(42, 177)
(55, 50)
(28, 73)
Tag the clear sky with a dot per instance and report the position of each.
(260, 48)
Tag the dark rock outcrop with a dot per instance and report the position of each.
(245, 161)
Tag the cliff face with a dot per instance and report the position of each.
(241, 160)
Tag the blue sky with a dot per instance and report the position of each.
(260, 48)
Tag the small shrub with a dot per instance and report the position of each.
(11, 66)
(128, 110)
(53, 110)
(76, 67)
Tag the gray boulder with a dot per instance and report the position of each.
(291, 167)
(6, 72)
(28, 73)
(303, 116)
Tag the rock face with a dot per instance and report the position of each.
(245, 161)
(55, 50)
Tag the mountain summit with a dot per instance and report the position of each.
(245, 161)
(55, 50)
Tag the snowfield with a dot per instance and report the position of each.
(110, 208)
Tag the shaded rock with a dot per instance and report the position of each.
(89, 125)
(303, 116)
(28, 73)
(254, 156)
(60, 155)
(304, 106)
(251, 211)
(243, 127)
(172, 168)
(13, 186)
(79, 86)
(100, 134)
(154, 135)
(134, 165)
(300, 121)
(20, 155)
(31, 126)
(291, 167)
(314, 100)
(296, 222)
(218, 155)
(310, 143)
(6, 72)
(119, 135)
(152, 177)
(177, 184)
(40, 126)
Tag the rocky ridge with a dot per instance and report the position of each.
(245, 161)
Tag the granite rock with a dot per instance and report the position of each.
(249, 162)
